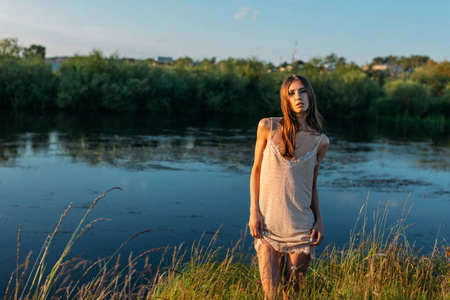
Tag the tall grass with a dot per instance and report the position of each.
(39, 283)
(378, 262)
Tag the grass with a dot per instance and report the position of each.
(380, 264)
(376, 263)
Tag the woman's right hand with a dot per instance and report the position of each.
(256, 224)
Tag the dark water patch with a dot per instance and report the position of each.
(160, 167)
(84, 205)
(390, 184)
(378, 184)
(93, 192)
(444, 195)
(435, 164)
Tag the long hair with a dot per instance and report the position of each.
(289, 123)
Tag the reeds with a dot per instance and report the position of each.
(376, 263)
(40, 283)
(380, 264)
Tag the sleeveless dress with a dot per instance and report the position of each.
(285, 198)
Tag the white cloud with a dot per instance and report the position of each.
(255, 15)
(242, 13)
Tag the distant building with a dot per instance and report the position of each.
(394, 70)
(165, 60)
(57, 61)
(379, 67)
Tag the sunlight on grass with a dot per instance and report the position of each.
(377, 263)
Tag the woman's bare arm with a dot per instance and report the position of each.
(256, 222)
(317, 234)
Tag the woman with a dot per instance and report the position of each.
(285, 216)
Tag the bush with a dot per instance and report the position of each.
(26, 83)
(407, 98)
(349, 95)
(435, 75)
(232, 86)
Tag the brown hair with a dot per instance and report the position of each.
(289, 123)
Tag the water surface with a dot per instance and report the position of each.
(186, 177)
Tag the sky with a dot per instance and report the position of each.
(268, 30)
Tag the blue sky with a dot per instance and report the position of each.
(358, 30)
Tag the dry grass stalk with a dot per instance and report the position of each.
(377, 263)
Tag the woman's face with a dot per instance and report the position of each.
(298, 97)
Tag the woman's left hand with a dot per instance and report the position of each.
(317, 234)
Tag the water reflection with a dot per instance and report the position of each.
(390, 132)
(187, 175)
(132, 141)
(377, 156)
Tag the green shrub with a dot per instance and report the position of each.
(26, 83)
(231, 86)
(408, 98)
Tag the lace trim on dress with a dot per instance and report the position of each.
(291, 162)
(287, 247)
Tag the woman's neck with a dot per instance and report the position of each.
(301, 119)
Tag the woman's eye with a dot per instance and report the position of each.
(302, 91)
(291, 93)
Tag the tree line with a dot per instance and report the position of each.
(407, 88)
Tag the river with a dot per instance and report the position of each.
(187, 177)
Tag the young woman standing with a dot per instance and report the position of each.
(285, 216)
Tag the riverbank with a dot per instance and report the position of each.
(229, 87)
(377, 263)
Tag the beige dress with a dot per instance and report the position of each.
(285, 197)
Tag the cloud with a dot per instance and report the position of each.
(255, 15)
(242, 13)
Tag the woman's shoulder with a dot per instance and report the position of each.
(267, 122)
(266, 125)
(324, 142)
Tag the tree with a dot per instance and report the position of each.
(341, 61)
(378, 60)
(443, 68)
(34, 51)
(10, 47)
(413, 61)
(316, 61)
(331, 60)
(184, 62)
(151, 61)
(207, 63)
